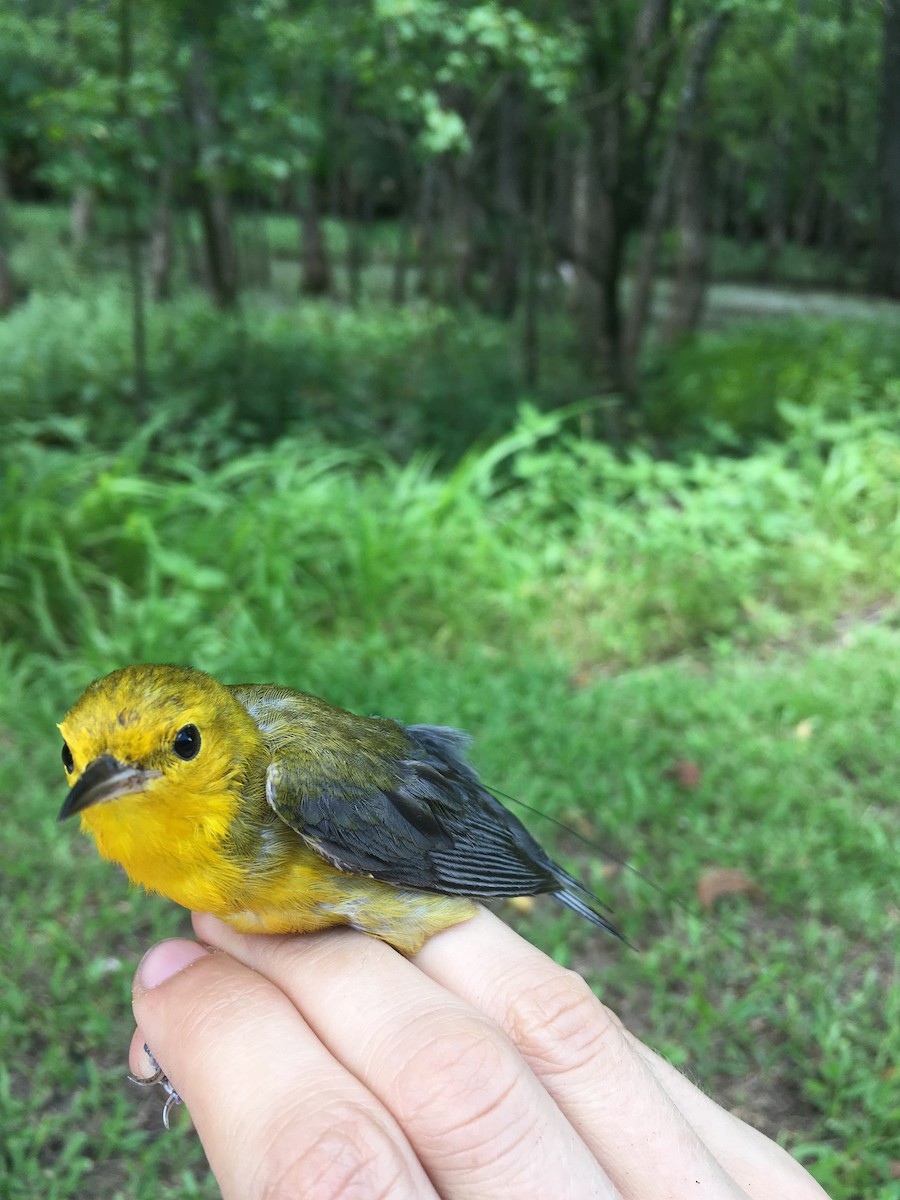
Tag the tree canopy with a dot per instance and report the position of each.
(511, 144)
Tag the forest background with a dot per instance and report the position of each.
(531, 368)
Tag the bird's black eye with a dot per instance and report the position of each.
(187, 742)
(68, 760)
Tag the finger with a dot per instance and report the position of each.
(750, 1158)
(579, 1052)
(277, 1115)
(475, 1115)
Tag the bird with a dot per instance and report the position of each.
(281, 813)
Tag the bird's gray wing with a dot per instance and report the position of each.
(418, 818)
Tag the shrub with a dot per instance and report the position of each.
(729, 387)
(406, 379)
(543, 538)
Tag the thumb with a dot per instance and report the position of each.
(156, 1006)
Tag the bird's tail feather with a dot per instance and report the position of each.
(572, 900)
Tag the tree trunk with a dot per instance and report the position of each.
(692, 261)
(562, 179)
(785, 147)
(692, 192)
(641, 304)
(254, 251)
(776, 207)
(190, 249)
(132, 228)
(587, 291)
(402, 261)
(458, 224)
(404, 243)
(597, 245)
(355, 216)
(743, 218)
(684, 134)
(850, 199)
(213, 199)
(650, 58)
(807, 210)
(10, 292)
(426, 233)
(622, 107)
(160, 253)
(833, 227)
(886, 272)
(719, 176)
(505, 282)
(534, 255)
(81, 218)
(315, 267)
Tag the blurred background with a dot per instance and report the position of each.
(533, 369)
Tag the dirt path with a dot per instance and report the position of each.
(731, 303)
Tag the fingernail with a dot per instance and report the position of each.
(165, 960)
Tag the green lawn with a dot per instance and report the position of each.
(786, 1008)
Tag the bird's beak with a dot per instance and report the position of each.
(105, 779)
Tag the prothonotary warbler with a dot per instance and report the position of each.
(280, 813)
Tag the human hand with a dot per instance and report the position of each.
(328, 1066)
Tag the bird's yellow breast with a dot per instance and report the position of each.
(285, 888)
(176, 853)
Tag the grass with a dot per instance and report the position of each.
(546, 539)
(596, 621)
(785, 1008)
(738, 384)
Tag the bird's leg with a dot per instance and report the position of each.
(159, 1077)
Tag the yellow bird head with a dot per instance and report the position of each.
(156, 756)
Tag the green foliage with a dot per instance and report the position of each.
(606, 558)
(741, 384)
(660, 556)
(796, 266)
(66, 93)
(778, 74)
(408, 378)
(463, 49)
